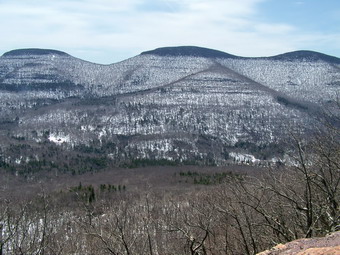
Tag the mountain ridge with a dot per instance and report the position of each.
(195, 51)
(190, 51)
(34, 51)
(306, 55)
(182, 104)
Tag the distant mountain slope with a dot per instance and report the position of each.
(175, 103)
(304, 75)
(36, 69)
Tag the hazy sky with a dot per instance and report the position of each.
(107, 31)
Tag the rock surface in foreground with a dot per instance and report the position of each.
(329, 245)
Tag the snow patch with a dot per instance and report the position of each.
(59, 139)
(243, 158)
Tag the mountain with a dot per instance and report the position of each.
(189, 51)
(33, 52)
(305, 55)
(178, 104)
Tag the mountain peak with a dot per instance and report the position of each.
(191, 51)
(306, 55)
(33, 51)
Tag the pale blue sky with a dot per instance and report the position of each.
(107, 31)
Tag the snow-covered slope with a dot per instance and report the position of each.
(303, 75)
(178, 103)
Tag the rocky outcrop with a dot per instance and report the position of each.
(329, 245)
